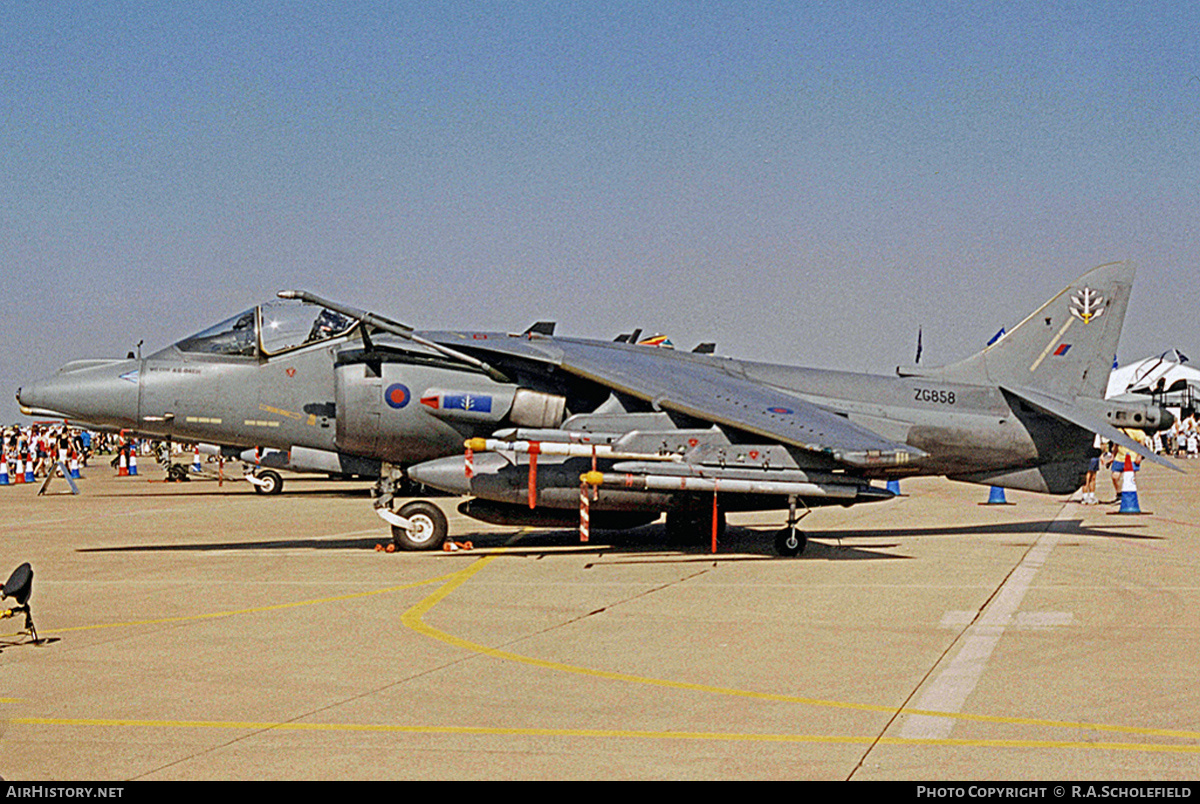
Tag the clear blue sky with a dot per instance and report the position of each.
(800, 182)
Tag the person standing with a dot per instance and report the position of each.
(1089, 479)
(1119, 461)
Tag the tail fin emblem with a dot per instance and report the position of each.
(1086, 305)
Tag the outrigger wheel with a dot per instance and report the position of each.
(428, 527)
(790, 542)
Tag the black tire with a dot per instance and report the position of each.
(429, 527)
(272, 483)
(790, 542)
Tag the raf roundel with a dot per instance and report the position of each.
(397, 395)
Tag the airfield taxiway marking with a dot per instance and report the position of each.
(950, 690)
(958, 620)
(820, 739)
(414, 619)
(257, 609)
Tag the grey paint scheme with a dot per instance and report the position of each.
(1019, 414)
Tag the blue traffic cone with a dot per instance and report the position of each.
(996, 497)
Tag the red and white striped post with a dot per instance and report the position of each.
(584, 512)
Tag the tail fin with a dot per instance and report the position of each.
(1066, 348)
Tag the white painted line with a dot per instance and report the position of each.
(956, 620)
(1044, 619)
(949, 691)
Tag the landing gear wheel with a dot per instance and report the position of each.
(790, 542)
(271, 483)
(429, 527)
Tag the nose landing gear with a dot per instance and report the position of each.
(418, 525)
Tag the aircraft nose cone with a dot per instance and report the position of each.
(93, 391)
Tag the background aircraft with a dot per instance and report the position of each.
(637, 431)
(1167, 376)
(262, 466)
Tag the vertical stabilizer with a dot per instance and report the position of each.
(1067, 347)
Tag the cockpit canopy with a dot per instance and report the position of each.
(269, 329)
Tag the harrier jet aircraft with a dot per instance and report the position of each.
(632, 430)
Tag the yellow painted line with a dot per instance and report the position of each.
(593, 733)
(258, 609)
(414, 619)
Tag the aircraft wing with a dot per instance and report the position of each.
(712, 391)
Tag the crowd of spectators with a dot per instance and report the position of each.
(37, 448)
(43, 445)
(1182, 439)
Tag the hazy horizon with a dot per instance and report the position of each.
(801, 183)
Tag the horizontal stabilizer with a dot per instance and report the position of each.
(1068, 412)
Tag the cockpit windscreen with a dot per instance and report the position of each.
(273, 327)
(233, 336)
